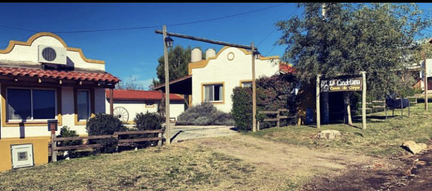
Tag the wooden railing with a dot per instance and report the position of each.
(278, 115)
(86, 145)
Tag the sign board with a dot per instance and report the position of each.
(341, 84)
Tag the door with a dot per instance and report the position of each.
(22, 155)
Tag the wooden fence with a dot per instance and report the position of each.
(85, 144)
(278, 115)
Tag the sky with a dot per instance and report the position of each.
(123, 34)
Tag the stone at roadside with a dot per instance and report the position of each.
(414, 147)
(328, 134)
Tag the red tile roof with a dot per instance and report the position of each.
(56, 74)
(287, 68)
(141, 95)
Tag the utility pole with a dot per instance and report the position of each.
(167, 91)
(254, 127)
(425, 81)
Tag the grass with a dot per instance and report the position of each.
(189, 166)
(381, 138)
(167, 168)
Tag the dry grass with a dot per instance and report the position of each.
(170, 168)
(381, 138)
(272, 159)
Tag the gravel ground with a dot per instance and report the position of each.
(181, 133)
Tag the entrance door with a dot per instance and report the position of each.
(22, 155)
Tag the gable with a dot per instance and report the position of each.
(27, 53)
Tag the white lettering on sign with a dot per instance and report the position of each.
(347, 82)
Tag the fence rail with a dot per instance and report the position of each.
(277, 119)
(117, 135)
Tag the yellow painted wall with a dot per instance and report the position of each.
(40, 150)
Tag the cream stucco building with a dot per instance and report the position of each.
(43, 79)
(213, 78)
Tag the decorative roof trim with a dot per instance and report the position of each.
(203, 63)
(30, 41)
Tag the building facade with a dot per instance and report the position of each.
(214, 78)
(43, 79)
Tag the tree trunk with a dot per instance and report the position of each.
(347, 102)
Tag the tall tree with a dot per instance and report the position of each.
(178, 60)
(376, 38)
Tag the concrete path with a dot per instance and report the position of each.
(181, 133)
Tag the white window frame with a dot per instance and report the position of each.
(246, 82)
(89, 104)
(31, 104)
(221, 98)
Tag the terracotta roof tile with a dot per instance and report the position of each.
(55, 74)
(287, 68)
(141, 95)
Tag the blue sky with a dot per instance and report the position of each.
(134, 52)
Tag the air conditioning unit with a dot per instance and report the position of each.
(52, 55)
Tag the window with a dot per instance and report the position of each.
(246, 84)
(213, 93)
(30, 104)
(83, 104)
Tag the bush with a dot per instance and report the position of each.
(242, 108)
(66, 132)
(273, 93)
(148, 121)
(105, 124)
(204, 114)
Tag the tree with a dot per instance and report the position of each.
(178, 60)
(130, 84)
(377, 38)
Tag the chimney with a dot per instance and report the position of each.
(210, 53)
(196, 55)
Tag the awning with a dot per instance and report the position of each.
(181, 85)
(103, 79)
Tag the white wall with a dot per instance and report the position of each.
(135, 107)
(28, 54)
(231, 72)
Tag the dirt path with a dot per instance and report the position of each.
(294, 161)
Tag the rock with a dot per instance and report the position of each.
(414, 147)
(328, 134)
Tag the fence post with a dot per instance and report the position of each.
(409, 104)
(52, 125)
(258, 125)
(401, 106)
(385, 108)
(278, 119)
(160, 140)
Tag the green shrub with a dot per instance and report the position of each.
(204, 114)
(148, 121)
(105, 124)
(66, 132)
(242, 108)
(272, 93)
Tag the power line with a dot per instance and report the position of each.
(154, 26)
(274, 30)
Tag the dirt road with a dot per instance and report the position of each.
(304, 164)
